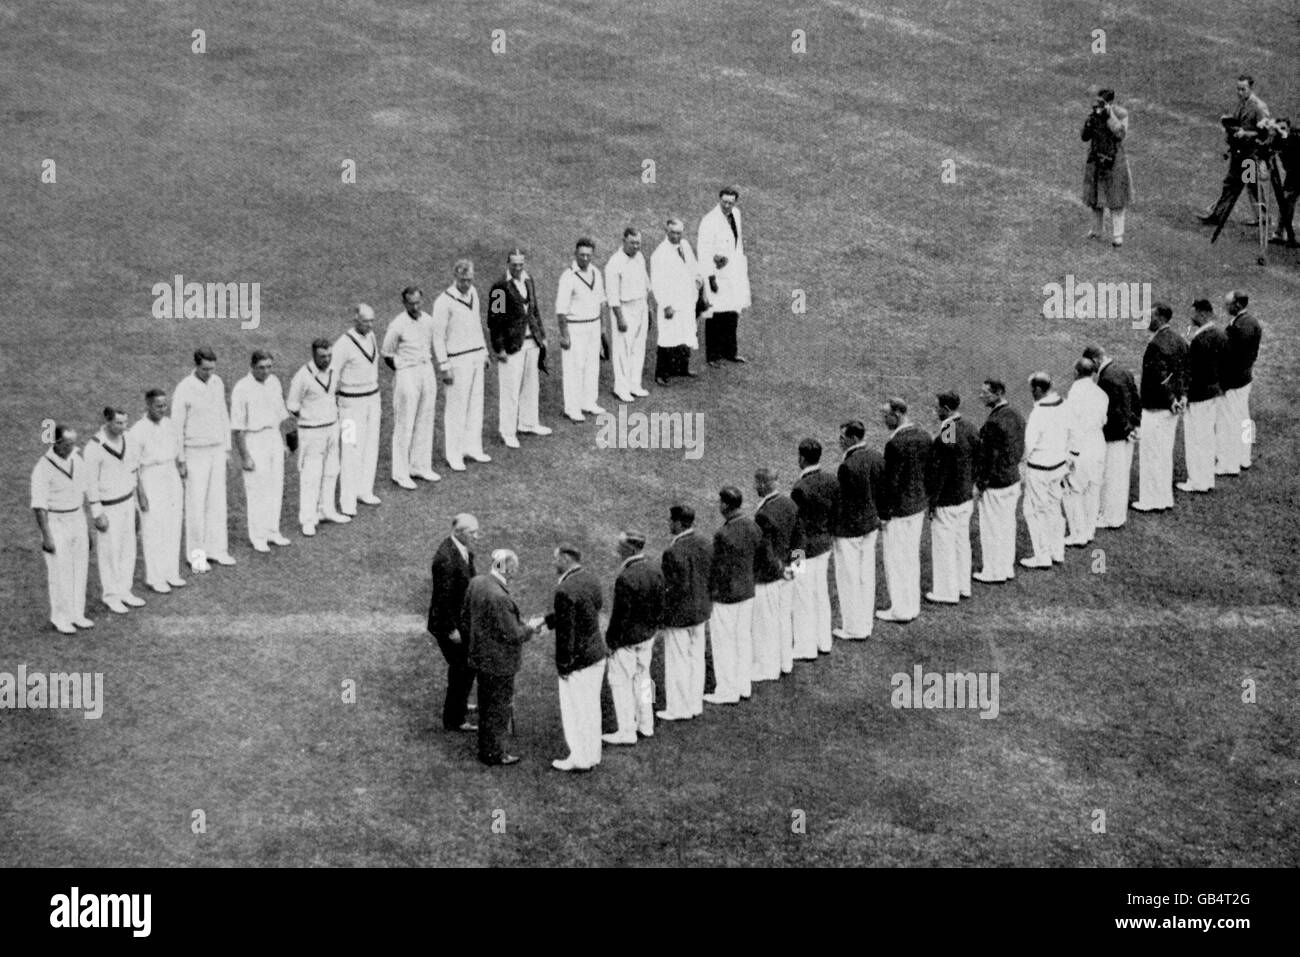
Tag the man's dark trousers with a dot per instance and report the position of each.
(720, 336)
(495, 696)
(460, 680)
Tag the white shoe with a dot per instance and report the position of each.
(261, 547)
(132, 601)
(575, 418)
(640, 393)
(63, 629)
(537, 430)
(624, 398)
(594, 410)
(428, 476)
(177, 582)
(162, 589)
(338, 518)
(619, 739)
(405, 483)
(887, 614)
(368, 499)
(309, 530)
(281, 541)
(223, 559)
(456, 466)
(116, 607)
(84, 623)
(1035, 563)
(510, 441)
(200, 567)
(479, 457)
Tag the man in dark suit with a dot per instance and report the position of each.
(1123, 416)
(496, 636)
(1163, 392)
(997, 477)
(517, 339)
(950, 485)
(857, 526)
(453, 567)
(1205, 351)
(634, 621)
(731, 586)
(777, 517)
(686, 565)
(817, 496)
(1235, 426)
(580, 654)
(903, 507)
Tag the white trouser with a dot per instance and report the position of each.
(1082, 501)
(318, 472)
(731, 634)
(684, 671)
(115, 550)
(205, 503)
(632, 689)
(810, 608)
(855, 582)
(771, 628)
(628, 348)
(1115, 478)
(264, 486)
(950, 551)
(1043, 514)
(1198, 442)
(517, 387)
(358, 448)
(785, 602)
(580, 368)
(997, 516)
(160, 525)
(68, 566)
(1156, 458)
(901, 542)
(1232, 430)
(415, 392)
(580, 710)
(462, 415)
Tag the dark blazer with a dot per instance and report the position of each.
(451, 575)
(686, 565)
(506, 325)
(1244, 334)
(1164, 370)
(1123, 405)
(638, 604)
(817, 495)
(1204, 356)
(731, 573)
(860, 476)
(950, 478)
(778, 520)
(907, 455)
(1001, 447)
(496, 631)
(576, 620)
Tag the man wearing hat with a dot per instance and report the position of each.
(1163, 393)
(580, 656)
(1205, 350)
(817, 495)
(634, 620)
(686, 565)
(731, 586)
(997, 477)
(907, 456)
(1046, 462)
(451, 571)
(777, 518)
(950, 484)
(496, 637)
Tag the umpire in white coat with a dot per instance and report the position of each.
(721, 246)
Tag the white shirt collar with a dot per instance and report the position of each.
(568, 572)
(639, 556)
(499, 577)
(810, 469)
(461, 547)
(681, 535)
(763, 500)
(1200, 329)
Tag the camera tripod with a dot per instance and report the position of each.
(1254, 162)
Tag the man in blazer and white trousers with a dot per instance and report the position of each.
(686, 565)
(517, 337)
(857, 526)
(907, 456)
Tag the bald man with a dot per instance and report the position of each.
(453, 567)
(356, 362)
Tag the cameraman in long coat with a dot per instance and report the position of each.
(1107, 183)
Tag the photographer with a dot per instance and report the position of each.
(1242, 128)
(1106, 180)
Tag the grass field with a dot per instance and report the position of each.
(1120, 691)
